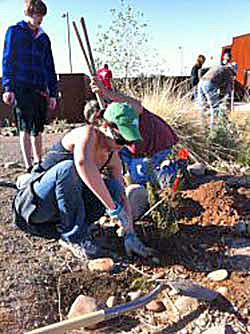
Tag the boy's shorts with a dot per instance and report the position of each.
(30, 110)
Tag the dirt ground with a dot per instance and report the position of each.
(40, 279)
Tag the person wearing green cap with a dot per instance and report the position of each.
(142, 159)
(80, 179)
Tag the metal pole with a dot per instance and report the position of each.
(181, 60)
(69, 42)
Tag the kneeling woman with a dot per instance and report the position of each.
(73, 173)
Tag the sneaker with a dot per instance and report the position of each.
(29, 169)
(87, 249)
(37, 168)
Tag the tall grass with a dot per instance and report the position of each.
(219, 148)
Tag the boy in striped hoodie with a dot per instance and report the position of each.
(29, 79)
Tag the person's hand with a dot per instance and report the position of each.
(52, 103)
(9, 98)
(121, 214)
(96, 85)
(134, 245)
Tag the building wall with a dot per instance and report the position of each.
(240, 54)
(74, 91)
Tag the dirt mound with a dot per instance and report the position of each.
(212, 203)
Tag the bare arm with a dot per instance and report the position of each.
(115, 96)
(87, 169)
(116, 169)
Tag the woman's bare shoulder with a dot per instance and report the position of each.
(78, 135)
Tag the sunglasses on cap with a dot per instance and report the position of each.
(119, 140)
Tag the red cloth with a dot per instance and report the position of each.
(105, 75)
(156, 133)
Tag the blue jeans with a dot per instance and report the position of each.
(61, 197)
(208, 93)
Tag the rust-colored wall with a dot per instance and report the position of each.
(74, 92)
(241, 55)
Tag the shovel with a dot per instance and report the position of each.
(88, 56)
(182, 287)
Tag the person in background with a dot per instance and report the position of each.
(105, 75)
(195, 73)
(227, 58)
(216, 79)
(29, 79)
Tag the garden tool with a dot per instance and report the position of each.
(180, 286)
(89, 61)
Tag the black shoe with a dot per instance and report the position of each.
(29, 169)
(37, 168)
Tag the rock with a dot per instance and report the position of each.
(218, 275)
(197, 169)
(159, 275)
(83, 305)
(217, 330)
(202, 321)
(101, 265)
(246, 311)
(111, 301)
(223, 290)
(156, 306)
(138, 199)
(183, 331)
(185, 305)
(134, 294)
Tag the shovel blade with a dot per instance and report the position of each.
(194, 290)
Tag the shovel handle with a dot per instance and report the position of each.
(85, 32)
(90, 63)
(81, 321)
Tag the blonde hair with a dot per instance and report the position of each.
(34, 7)
(92, 113)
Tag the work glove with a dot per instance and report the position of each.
(121, 214)
(133, 244)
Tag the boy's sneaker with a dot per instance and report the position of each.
(87, 249)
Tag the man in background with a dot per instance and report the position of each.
(217, 79)
(105, 75)
(196, 73)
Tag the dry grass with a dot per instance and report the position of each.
(177, 109)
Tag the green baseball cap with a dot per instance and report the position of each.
(125, 118)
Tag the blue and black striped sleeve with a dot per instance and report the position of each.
(50, 71)
(8, 62)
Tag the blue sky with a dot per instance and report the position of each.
(196, 26)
